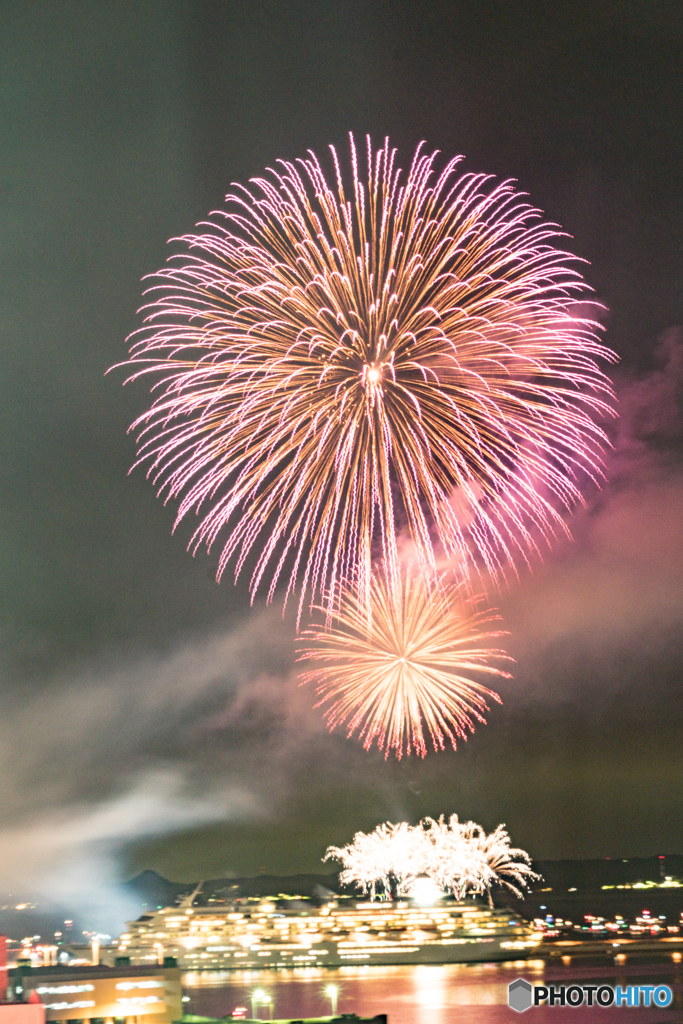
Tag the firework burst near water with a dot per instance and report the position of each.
(343, 356)
(458, 856)
(400, 671)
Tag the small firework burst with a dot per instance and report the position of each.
(464, 859)
(401, 667)
(459, 857)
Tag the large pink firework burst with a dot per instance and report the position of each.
(344, 358)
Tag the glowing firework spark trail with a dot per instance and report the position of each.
(458, 856)
(397, 672)
(342, 361)
(462, 858)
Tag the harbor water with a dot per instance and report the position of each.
(437, 994)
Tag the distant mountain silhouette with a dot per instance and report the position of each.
(593, 874)
(151, 890)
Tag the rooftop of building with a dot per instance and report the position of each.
(92, 971)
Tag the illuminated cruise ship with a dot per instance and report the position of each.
(266, 933)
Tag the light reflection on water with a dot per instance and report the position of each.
(436, 994)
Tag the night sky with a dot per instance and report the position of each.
(151, 718)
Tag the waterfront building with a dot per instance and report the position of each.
(22, 1013)
(101, 995)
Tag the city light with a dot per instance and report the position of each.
(332, 993)
(259, 997)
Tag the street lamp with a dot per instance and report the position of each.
(332, 992)
(256, 997)
(259, 996)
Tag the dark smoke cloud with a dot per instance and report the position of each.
(121, 774)
(218, 731)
